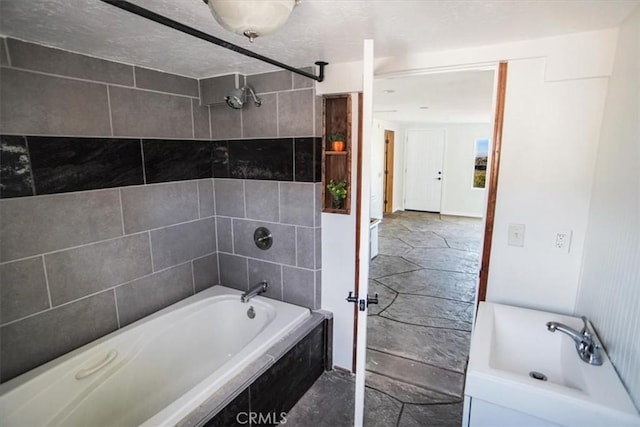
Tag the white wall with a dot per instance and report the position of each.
(550, 137)
(609, 291)
(458, 195)
(377, 170)
(568, 56)
(555, 96)
(341, 78)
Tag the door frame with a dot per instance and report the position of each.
(362, 209)
(494, 171)
(387, 193)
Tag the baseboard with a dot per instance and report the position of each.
(465, 214)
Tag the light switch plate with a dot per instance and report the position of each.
(516, 235)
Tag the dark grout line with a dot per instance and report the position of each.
(383, 392)
(413, 385)
(433, 404)
(386, 286)
(393, 274)
(475, 275)
(443, 238)
(434, 296)
(400, 415)
(431, 317)
(424, 326)
(411, 262)
(436, 269)
(418, 361)
(389, 305)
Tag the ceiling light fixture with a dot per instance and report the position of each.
(251, 18)
(424, 108)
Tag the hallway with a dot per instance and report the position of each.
(418, 336)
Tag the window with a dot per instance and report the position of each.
(480, 163)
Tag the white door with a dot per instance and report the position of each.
(424, 173)
(364, 213)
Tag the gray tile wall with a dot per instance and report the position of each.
(289, 107)
(47, 91)
(289, 211)
(76, 266)
(123, 253)
(214, 89)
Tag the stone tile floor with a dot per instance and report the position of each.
(418, 336)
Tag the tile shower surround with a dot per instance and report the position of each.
(119, 221)
(142, 246)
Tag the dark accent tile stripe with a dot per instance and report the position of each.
(304, 161)
(270, 159)
(35, 165)
(221, 159)
(176, 160)
(317, 160)
(15, 168)
(62, 165)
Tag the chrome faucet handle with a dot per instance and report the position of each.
(585, 327)
(587, 334)
(586, 341)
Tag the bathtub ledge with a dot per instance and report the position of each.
(248, 375)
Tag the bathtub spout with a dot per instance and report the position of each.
(257, 290)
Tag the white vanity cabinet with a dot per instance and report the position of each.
(478, 413)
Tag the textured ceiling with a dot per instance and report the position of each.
(456, 97)
(330, 30)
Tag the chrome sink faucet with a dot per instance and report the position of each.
(257, 290)
(587, 344)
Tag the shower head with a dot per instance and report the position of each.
(237, 98)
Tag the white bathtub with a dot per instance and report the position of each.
(155, 371)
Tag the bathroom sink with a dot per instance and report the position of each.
(516, 363)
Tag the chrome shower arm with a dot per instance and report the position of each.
(256, 100)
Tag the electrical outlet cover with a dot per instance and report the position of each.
(562, 241)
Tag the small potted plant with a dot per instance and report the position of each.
(337, 141)
(338, 193)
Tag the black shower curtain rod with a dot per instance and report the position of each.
(145, 13)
